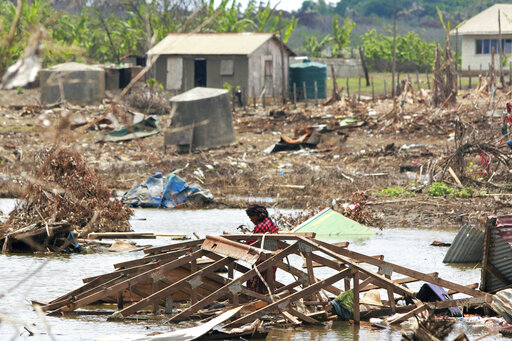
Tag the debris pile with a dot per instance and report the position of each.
(65, 195)
(183, 282)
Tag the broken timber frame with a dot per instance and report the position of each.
(177, 271)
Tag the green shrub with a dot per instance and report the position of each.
(396, 191)
(439, 189)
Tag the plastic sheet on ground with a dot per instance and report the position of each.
(144, 128)
(156, 192)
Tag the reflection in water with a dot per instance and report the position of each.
(407, 247)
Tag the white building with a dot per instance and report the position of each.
(481, 33)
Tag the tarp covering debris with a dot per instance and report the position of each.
(331, 223)
(173, 192)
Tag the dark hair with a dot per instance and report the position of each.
(257, 211)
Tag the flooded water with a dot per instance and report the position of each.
(43, 278)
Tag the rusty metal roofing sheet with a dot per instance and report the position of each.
(211, 44)
(467, 246)
(500, 253)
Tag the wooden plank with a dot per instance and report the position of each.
(238, 267)
(472, 286)
(405, 271)
(460, 302)
(378, 278)
(408, 315)
(167, 291)
(268, 263)
(279, 236)
(173, 247)
(291, 298)
(304, 318)
(121, 235)
(387, 311)
(309, 265)
(145, 276)
(171, 255)
(98, 280)
(290, 317)
(357, 316)
(397, 281)
(297, 272)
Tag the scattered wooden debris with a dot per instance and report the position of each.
(177, 272)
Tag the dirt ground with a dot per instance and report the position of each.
(407, 147)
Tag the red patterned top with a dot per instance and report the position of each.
(266, 226)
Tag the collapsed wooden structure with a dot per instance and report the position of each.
(179, 272)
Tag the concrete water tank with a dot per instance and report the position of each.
(78, 83)
(209, 111)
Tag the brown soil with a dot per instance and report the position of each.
(348, 160)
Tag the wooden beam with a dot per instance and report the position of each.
(472, 286)
(303, 317)
(460, 302)
(296, 272)
(173, 247)
(145, 276)
(268, 263)
(408, 315)
(397, 281)
(167, 291)
(289, 317)
(168, 256)
(357, 316)
(404, 271)
(279, 236)
(378, 277)
(284, 302)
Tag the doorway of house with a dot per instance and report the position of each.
(200, 72)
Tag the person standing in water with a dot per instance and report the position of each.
(262, 224)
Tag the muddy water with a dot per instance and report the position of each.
(43, 278)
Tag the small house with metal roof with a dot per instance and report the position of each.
(480, 34)
(255, 62)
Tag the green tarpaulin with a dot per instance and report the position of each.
(331, 223)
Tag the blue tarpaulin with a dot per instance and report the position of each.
(157, 193)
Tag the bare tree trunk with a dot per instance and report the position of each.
(437, 78)
(393, 71)
(502, 81)
(451, 77)
(107, 31)
(363, 63)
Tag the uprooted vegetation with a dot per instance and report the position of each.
(66, 192)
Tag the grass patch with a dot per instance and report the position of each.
(396, 191)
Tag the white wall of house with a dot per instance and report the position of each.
(475, 60)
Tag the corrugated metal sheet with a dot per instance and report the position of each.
(211, 44)
(486, 22)
(500, 253)
(467, 246)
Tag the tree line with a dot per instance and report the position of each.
(105, 31)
